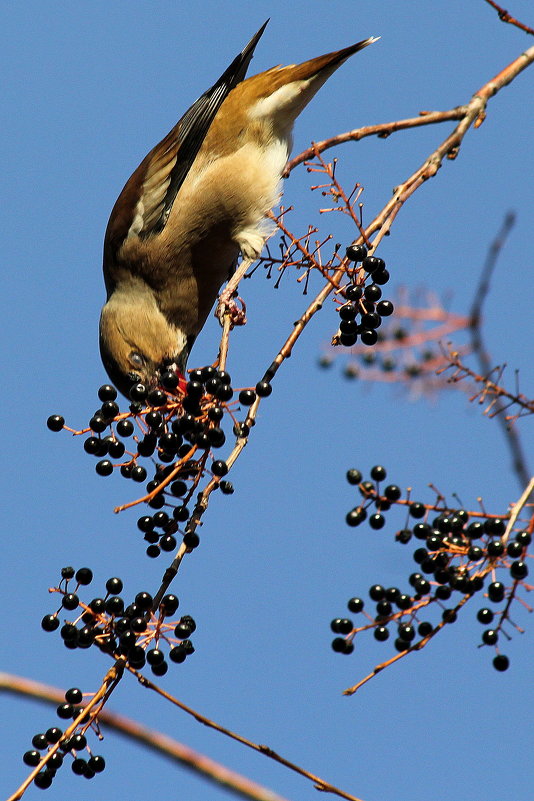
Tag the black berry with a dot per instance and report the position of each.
(354, 476)
(219, 468)
(519, 570)
(356, 252)
(378, 473)
(501, 662)
(384, 308)
(125, 428)
(373, 264)
(55, 422)
(104, 468)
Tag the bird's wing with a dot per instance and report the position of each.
(144, 205)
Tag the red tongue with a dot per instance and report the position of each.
(182, 381)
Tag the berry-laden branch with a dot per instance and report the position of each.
(130, 634)
(124, 634)
(68, 737)
(163, 745)
(421, 369)
(406, 350)
(407, 649)
(460, 550)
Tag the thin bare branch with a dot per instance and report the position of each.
(511, 434)
(382, 130)
(504, 16)
(319, 783)
(518, 508)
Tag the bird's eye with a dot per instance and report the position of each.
(136, 359)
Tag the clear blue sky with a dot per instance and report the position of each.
(89, 89)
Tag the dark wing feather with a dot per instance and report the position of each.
(194, 125)
(144, 204)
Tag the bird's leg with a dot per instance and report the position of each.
(229, 299)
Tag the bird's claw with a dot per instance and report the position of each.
(233, 306)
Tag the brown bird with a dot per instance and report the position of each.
(196, 201)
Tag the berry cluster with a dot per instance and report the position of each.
(177, 428)
(159, 529)
(362, 314)
(458, 550)
(168, 425)
(43, 742)
(401, 361)
(135, 631)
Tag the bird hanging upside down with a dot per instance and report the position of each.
(196, 201)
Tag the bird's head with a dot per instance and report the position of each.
(137, 344)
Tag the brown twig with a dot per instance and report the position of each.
(300, 246)
(336, 191)
(517, 509)
(474, 115)
(410, 649)
(241, 441)
(200, 507)
(471, 114)
(172, 475)
(490, 389)
(382, 130)
(504, 16)
(372, 496)
(225, 340)
(230, 289)
(319, 783)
